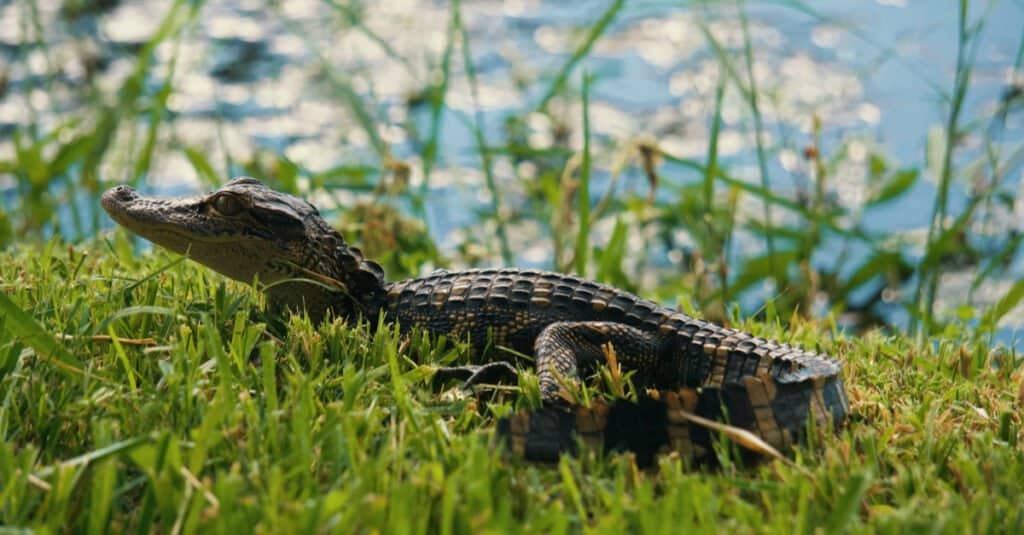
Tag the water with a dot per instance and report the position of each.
(251, 81)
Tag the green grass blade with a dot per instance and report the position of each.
(1006, 303)
(845, 511)
(203, 167)
(134, 311)
(95, 455)
(897, 185)
(24, 326)
(123, 357)
(438, 93)
(581, 51)
(583, 193)
(753, 101)
(478, 128)
(930, 272)
(104, 477)
(711, 166)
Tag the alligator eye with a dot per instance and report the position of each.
(227, 205)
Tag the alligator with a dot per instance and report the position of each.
(566, 325)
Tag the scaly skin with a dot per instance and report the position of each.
(250, 232)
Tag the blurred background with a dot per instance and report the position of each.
(851, 160)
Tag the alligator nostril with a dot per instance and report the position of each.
(123, 193)
(116, 198)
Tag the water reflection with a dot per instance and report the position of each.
(248, 77)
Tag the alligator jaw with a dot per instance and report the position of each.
(169, 223)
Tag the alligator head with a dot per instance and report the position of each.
(250, 232)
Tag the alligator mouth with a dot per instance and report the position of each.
(157, 220)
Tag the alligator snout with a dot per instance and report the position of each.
(117, 196)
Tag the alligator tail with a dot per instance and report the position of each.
(779, 411)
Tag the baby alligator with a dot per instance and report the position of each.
(250, 232)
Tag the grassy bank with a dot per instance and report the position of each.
(193, 416)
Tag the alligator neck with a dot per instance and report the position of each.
(341, 283)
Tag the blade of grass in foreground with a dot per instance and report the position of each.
(25, 327)
(845, 512)
(92, 456)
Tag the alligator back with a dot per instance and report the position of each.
(510, 307)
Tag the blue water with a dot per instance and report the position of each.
(251, 78)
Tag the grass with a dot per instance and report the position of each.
(219, 425)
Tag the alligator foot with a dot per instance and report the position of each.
(475, 375)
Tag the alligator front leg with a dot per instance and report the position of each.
(563, 348)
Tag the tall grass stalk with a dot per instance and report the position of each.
(342, 85)
(593, 34)
(438, 92)
(582, 250)
(753, 98)
(716, 243)
(935, 244)
(479, 128)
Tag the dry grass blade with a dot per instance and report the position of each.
(1020, 391)
(614, 370)
(39, 483)
(738, 435)
(198, 485)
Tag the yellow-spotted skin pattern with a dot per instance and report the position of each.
(773, 390)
